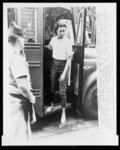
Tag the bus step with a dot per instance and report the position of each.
(56, 107)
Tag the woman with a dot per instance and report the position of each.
(61, 53)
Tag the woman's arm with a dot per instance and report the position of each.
(66, 68)
(49, 46)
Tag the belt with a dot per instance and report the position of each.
(63, 60)
(20, 96)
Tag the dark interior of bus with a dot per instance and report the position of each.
(51, 16)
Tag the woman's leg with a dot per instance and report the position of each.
(63, 88)
(62, 92)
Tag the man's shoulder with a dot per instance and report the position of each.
(16, 58)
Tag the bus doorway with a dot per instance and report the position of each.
(51, 17)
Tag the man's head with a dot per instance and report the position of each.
(15, 35)
(60, 30)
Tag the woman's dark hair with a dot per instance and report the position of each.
(57, 25)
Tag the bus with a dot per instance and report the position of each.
(81, 30)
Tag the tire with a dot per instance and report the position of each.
(90, 105)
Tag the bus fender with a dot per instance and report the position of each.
(88, 82)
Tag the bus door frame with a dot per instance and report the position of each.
(78, 59)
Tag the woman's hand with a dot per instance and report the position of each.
(33, 99)
(62, 78)
(48, 46)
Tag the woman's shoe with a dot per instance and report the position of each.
(63, 117)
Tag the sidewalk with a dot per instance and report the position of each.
(91, 136)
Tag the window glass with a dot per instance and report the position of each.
(28, 17)
(90, 27)
(11, 15)
(90, 32)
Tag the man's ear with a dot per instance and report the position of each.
(18, 40)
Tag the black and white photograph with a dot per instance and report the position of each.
(53, 89)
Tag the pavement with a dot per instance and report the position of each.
(76, 131)
(57, 128)
(89, 136)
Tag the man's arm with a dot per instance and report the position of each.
(22, 84)
(20, 76)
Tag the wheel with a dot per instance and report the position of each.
(90, 105)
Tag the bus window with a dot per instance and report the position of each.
(90, 32)
(25, 18)
(90, 28)
(11, 15)
(28, 16)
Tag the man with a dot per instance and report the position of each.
(19, 85)
(61, 52)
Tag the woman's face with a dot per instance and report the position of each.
(61, 32)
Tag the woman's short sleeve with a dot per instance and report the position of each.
(69, 47)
